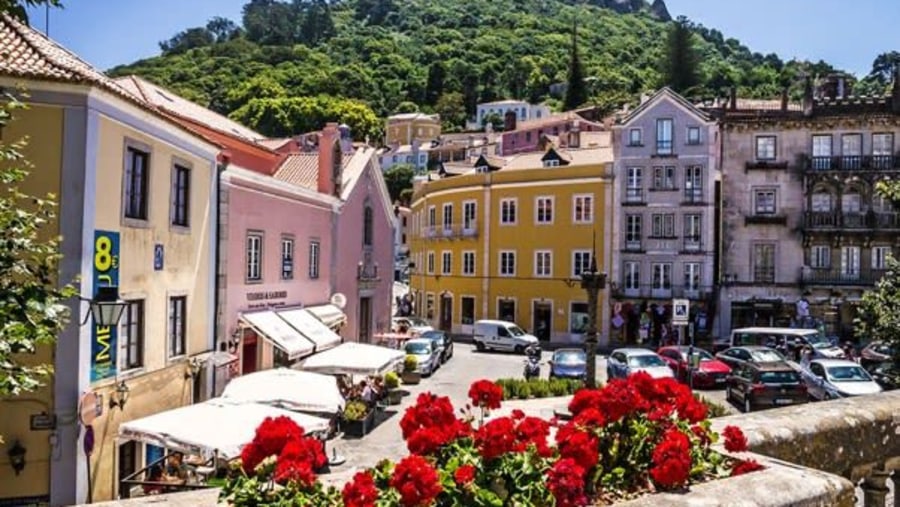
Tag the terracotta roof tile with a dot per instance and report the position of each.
(302, 169)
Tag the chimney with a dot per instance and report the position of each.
(330, 155)
(575, 135)
(509, 121)
(784, 99)
(841, 91)
(895, 91)
(733, 99)
(807, 97)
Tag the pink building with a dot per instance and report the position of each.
(522, 137)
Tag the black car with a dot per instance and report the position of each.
(737, 357)
(886, 374)
(443, 341)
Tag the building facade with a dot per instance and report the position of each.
(522, 110)
(665, 197)
(524, 137)
(509, 239)
(804, 231)
(136, 213)
(403, 129)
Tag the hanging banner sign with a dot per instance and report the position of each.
(106, 273)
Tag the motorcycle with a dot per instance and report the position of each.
(532, 367)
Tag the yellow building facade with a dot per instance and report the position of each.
(403, 129)
(136, 211)
(509, 238)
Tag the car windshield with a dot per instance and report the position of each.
(779, 377)
(434, 336)
(817, 341)
(704, 355)
(645, 361)
(569, 357)
(418, 348)
(516, 331)
(766, 356)
(881, 348)
(848, 374)
(418, 322)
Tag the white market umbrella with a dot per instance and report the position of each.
(302, 391)
(354, 359)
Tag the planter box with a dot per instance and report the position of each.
(361, 427)
(394, 397)
(411, 377)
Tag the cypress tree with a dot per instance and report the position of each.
(680, 62)
(576, 92)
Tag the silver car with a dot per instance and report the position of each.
(426, 353)
(624, 362)
(828, 379)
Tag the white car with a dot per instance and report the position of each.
(413, 325)
(624, 362)
(429, 359)
(828, 379)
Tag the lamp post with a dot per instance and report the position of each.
(106, 307)
(592, 282)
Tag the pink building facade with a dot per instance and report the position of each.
(525, 136)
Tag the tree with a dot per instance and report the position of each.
(32, 312)
(435, 85)
(399, 178)
(878, 314)
(191, 38)
(288, 116)
(406, 107)
(680, 62)
(883, 67)
(495, 120)
(451, 108)
(222, 29)
(576, 89)
(18, 7)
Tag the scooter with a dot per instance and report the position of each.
(532, 367)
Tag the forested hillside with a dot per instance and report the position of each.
(289, 64)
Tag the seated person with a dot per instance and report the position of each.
(176, 470)
(155, 474)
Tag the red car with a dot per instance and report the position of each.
(710, 373)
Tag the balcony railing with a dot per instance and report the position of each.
(845, 276)
(695, 292)
(693, 195)
(854, 163)
(854, 220)
(664, 147)
(634, 195)
(452, 231)
(366, 272)
(692, 244)
(632, 244)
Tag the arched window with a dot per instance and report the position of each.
(367, 226)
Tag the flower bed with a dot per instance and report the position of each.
(521, 389)
(630, 438)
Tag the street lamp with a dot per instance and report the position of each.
(106, 307)
(592, 282)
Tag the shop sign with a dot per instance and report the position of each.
(680, 311)
(264, 296)
(106, 273)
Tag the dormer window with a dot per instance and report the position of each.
(482, 169)
(553, 162)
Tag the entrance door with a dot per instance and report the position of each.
(365, 320)
(446, 313)
(248, 353)
(127, 464)
(542, 320)
(506, 310)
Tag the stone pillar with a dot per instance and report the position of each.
(895, 478)
(875, 489)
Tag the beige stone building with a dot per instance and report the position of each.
(403, 129)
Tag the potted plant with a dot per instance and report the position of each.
(391, 383)
(358, 418)
(410, 375)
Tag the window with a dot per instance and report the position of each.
(664, 178)
(137, 179)
(468, 263)
(692, 276)
(764, 202)
(764, 263)
(663, 225)
(181, 195)
(882, 150)
(821, 152)
(581, 262)
(507, 263)
(850, 262)
(508, 211)
(693, 183)
(469, 209)
(693, 135)
(446, 263)
(662, 276)
(692, 230)
(851, 202)
(432, 216)
(551, 162)
(633, 226)
(368, 231)
(820, 256)
(467, 310)
(543, 263)
(632, 275)
(634, 137)
(765, 148)
(177, 325)
(633, 184)
(132, 335)
(314, 259)
(851, 145)
(254, 256)
(430, 263)
(583, 209)
(821, 202)
(879, 257)
(578, 318)
(447, 216)
(664, 136)
(287, 258)
(544, 210)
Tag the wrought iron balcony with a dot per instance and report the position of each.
(846, 276)
(693, 195)
(695, 292)
(634, 195)
(855, 220)
(854, 163)
(692, 244)
(452, 231)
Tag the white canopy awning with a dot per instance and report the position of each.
(312, 328)
(215, 426)
(330, 315)
(354, 359)
(289, 389)
(274, 329)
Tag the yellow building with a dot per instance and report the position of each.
(136, 212)
(403, 129)
(507, 238)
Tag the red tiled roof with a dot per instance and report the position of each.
(302, 169)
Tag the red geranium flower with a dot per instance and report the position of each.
(671, 460)
(272, 434)
(430, 424)
(584, 399)
(517, 414)
(702, 434)
(745, 467)
(304, 449)
(464, 475)
(619, 399)
(534, 431)
(251, 456)
(582, 448)
(565, 480)
(486, 394)
(497, 437)
(416, 481)
(735, 441)
(361, 491)
(294, 471)
(590, 418)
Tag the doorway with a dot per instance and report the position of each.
(446, 323)
(542, 320)
(365, 320)
(127, 461)
(248, 352)
(506, 310)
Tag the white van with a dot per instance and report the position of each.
(794, 338)
(501, 335)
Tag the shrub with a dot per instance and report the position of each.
(410, 363)
(355, 410)
(391, 380)
(514, 388)
(713, 409)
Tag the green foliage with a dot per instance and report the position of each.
(32, 313)
(410, 363)
(878, 314)
(576, 89)
(391, 380)
(514, 388)
(355, 410)
(680, 63)
(713, 409)
(399, 178)
(286, 116)
(18, 7)
(495, 120)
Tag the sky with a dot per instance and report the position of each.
(847, 34)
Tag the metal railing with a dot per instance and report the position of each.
(851, 220)
(853, 163)
(844, 276)
(634, 194)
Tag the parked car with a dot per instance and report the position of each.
(874, 354)
(443, 341)
(411, 324)
(624, 362)
(568, 363)
(501, 335)
(709, 371)
(426, 353)
(765, 385)
(735, 357)
(788, 341)
(887, 375)
(828, 379)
